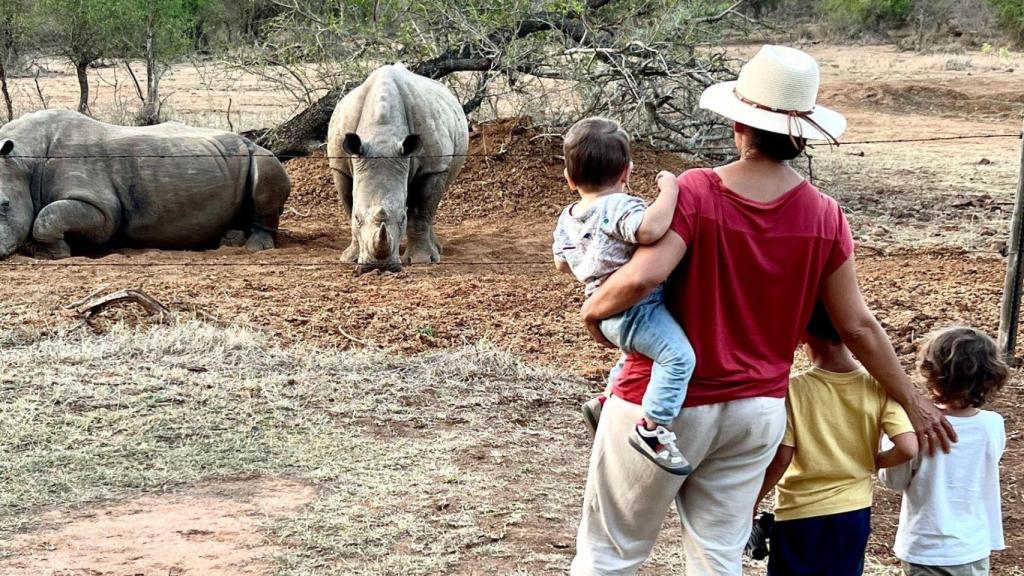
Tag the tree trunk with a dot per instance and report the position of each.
(201, 37)
(82, 68)
(150, 113)
(6, 93)
(302, 133)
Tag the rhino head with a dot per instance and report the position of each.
(380, 189)
(16, 210)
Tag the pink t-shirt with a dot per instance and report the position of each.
(745, 290)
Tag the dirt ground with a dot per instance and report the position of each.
(207, 529)
(929, 218)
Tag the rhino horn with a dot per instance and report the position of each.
(381, 215)
(381, 246)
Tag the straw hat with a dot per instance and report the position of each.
(777, 91)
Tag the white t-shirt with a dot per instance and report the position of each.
(597, 241)
(951, 512)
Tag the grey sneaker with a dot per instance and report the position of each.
(592, 413)
(659, 446)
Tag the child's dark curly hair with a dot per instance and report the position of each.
(962, 367)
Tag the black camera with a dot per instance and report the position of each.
(757, 544)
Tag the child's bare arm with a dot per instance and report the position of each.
(658, 216)
(904, 450)
(897, 477)
(562, 265)
(778, 467)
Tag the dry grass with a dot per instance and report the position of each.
(458, 462)
(425, 465)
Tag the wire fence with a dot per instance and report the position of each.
(493, 155)
(257, 264)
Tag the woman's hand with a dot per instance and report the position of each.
(593, 323)
(932, 428)
(594, 328)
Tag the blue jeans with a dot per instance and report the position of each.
(648, 328)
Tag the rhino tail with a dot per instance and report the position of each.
(252, 173)
(259, 222)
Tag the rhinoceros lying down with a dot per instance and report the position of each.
(396, 143)
(65, 177)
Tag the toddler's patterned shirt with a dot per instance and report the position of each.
(597, 241)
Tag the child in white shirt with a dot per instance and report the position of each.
(950, 519)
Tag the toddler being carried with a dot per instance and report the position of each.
(596, 236)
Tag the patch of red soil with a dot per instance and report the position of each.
(212, 530)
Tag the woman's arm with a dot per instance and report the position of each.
(864, 337)
(650, 266)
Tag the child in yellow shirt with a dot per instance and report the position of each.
(837, 414)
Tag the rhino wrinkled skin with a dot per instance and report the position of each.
(396, 143)
(65, 177)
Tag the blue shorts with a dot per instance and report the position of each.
(832, 545)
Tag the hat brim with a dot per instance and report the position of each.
(721, 99)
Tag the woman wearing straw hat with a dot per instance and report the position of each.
(752, 248)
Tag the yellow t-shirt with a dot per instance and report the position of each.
(835, 422)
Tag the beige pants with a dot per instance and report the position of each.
(979, 568)
(730, 445)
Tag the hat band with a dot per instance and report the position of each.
(760, 106)
(792, 115)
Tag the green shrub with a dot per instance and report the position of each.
(869, 14)
(1010, 16)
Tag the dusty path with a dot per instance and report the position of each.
(208, 529)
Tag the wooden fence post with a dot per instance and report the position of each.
(1009, 319)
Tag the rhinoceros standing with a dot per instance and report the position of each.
(66, 177)
(396, 143)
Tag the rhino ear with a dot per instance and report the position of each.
(5, 147)
(411, 144)
(352, 144)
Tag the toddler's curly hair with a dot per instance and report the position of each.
(962, 367)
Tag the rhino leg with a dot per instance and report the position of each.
(64, 217)
(424, 198)
(343, 182)
(233, 239)
(270, 192)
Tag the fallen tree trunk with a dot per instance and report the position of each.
(302, 133)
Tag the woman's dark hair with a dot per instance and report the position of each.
(775, 146)
(820, 325)
(962, 367)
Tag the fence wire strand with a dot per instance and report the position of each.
(353, 267)
(493, 155)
